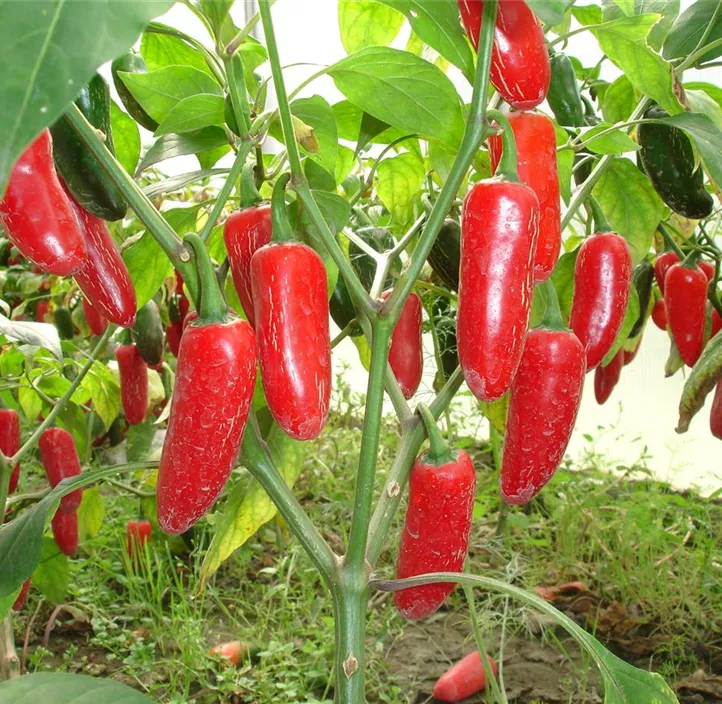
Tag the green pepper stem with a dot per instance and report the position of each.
(439, 453)
(601, 224)
(280, 223)
(669, 241)
(552, 319)
(212, 307)
(507, 167)
(249, 192)
(690, 261)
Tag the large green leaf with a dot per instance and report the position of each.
(563, 280)
(65, 688)
(51, 576)
(615, 142)
(126, 138)
(706, 136)
(631, 205)
(51, 50)
(399, 184)
(689, 28)
(667, 9)
(317, 113)
(619, 101)
(148, 266)
(551, 12)
(366, 23)
(162, 50)
(104, 392)
(402, 90)
(172, 145)
(193, 113)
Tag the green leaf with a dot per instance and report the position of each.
(29, 401)
(126, 138)
(587, 14)
(706, 136)
(617, 142)
(563, 280)
(348, 124)
(619, 101)
(551, 12)
(370, 127)
(64, 688)
(631, 205)
(72, 419)
(159, 91)
(317, 113)
(713, 91)
(623, 41)
(148, 266)
(345, 163)
(366, 23)
(51, 576)
(91, 513)
(140, 439)
(495, 412)
(163, 50)
(631, 315)
(402, 90)
(667, 9)
(437, 24)
(216, 11)
(104, 392)
(179, 182)
(210, 158)
(6, 603)
(52, 49)
(399, 182)
(701, 102)
(194, 113)
(172, 145)
(565, 164)
(689, 28)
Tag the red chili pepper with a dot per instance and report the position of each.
(10, 441)
(96, 322)
(178, 283)
(543, 406)
(133, 383)
(183, 307)
(659, 314)
(21, 598)
(406, 353)
(37, 214)
(436, 530)
(629, 355)
(602, 282)
(708, 268)
(520, 68)
(104, 278)
(60, 460)
(464, 679)
(685, 299)
(661, 267)
(173, 334)
(715, 414)
(606, 378)
(191, 317)
(716, 323)
(537, 164)
(215, 380)
(137, 535)
(65, 532)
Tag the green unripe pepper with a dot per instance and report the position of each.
(642, 280)
(445, 254)
(132, 62)
(563, 97)
(147, 333)
(64, 323)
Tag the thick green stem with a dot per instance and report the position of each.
(439, 452)
(282, 231)
(349, 606)
(601, 224)
(239, 94)
(211, 305)
(669, 240)
(506, 168)
(249, 190)
(552, 319)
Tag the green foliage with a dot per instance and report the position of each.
(64, 688)
(52, 574)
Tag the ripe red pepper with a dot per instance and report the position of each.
(21, 598)
(708, 268)
(173, 334)
(133, 383)
(520, 68)
(715, 413)
(464, 679)
(685, 299)
(96, 322)
(606, 378)
(435, 537)
(406, 357)
(602, 282)
(543, 406)
(104, 278)
(659, 314)
(536, 148)
(65, 532)
(60, 460)
(716, 323)
(499, 230)
(661, 267)
(193, 315)
(215, 379)
(629, 355)
(137, 535)
(10, 441)
(37, 214)
(41, 310)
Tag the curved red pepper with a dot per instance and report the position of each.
(290, 298)
(104, 278)
(41, 310)
(463, 679)
(133, 383)
(661, 267)
(406, 357)
(537, 165)
(245, 232)
(96, 322)
(22, 597)
(715, 413)
(65, 532)
(137, 534)
(659, 314)
(37, 214)
(602, 282)
(606, 378)
(498, 238)
(543, 406)
(60, 460)
(716, 323)
(520, 68)
(10, 441)
(685, 299)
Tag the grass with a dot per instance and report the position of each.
(630, 540)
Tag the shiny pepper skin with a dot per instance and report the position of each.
(290, 298)
(659, 314)
(685, 299)
(537, 164)
(21, 598)
(715, 414)
(436, 530)
(60, 460)
(65, 532)
(96, 322)
(602, 282)
(406, 357)
(606, 378)
(499, 228)
(10, 441)
(37, 214)
(520, 68)
(133, 383)
(716, 323)
(708, 269)
(543, 406)
(244, 232)
(173, 334)
(215, 379)
(661, 267)
(104, 278)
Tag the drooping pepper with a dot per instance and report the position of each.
(65, 532)
(406, 357)
(41, 310)
(133, 383)
(642, 279)
(563, 96)
(537, 167)
(96, 322)
(543, 405)
(85, 178)
(290, 298)
(342, 308)
(520, 68)
(500, 223)
(606, 378)
(173, 335)
(661, 266)
(445, 254)
(22, 597)
(668, 160)
(444, 321)
(137, 534)
(215, 379)
(64, 323)
(436, 530)
(147, 333)
(707, 267)
(685, 300)
(132, 62)
(715, 412)
(463, 679)
(10, 441)
(104, 278)
(659, 314)
(37, 215)
(60, 460)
